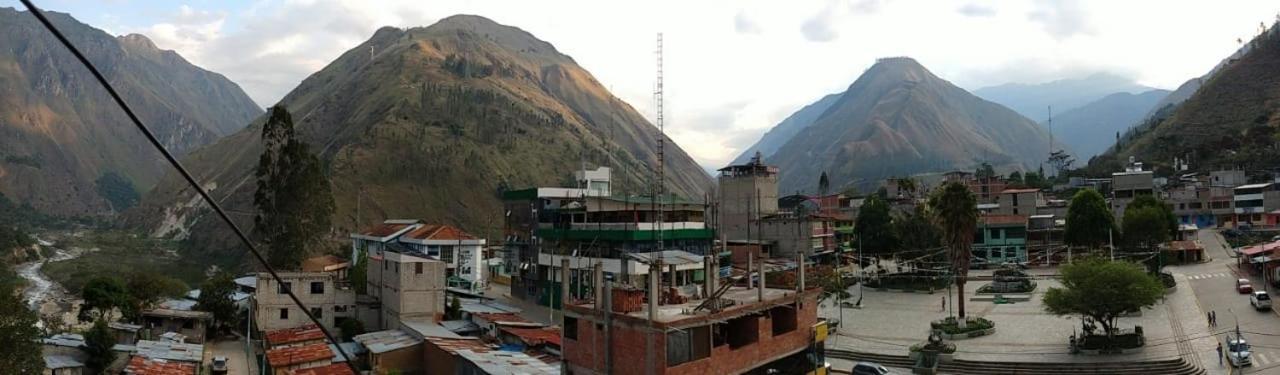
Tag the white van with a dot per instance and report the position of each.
(1260, 300)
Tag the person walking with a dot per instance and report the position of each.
(944, 304)
(1209, 317)
(1219, 353)
(1213, 318)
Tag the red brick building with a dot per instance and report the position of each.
(749, 329)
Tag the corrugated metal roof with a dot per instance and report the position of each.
(668, 257)
(124, 326)
(298, 354)
(385, 341)
(61, 361)
(509, 363)
(422, 330)
(486, 306)
(65, 339)
(333, 369)
(309, 332)
(438, 232)
(172, 351)
(145, 366)
(535, 336)
(460, 327)
(353, 349)
(250, 281)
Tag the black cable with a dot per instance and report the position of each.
(183, 171)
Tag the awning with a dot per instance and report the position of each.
(1261, 259)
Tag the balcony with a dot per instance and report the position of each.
(637, 226)
(1250, 210)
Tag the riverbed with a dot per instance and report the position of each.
(45, 296)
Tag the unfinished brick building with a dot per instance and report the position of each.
(736, 330)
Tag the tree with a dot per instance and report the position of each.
(824, 184)
(454, 310)
(915, 230)
(1103, 290)
(1015, 177)
(350, 328)
(293, 199)
(98, 342)
(148, 288)
(20, 351)
(909, 186)
(215, 297)
(117, 190)
(1089, 222)
(360, 272)
(873, 226)
(984, 171)
(955, 211)
(104, 294)
(1147, 223)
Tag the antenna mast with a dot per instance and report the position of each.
(660, 190)
(1050, 137)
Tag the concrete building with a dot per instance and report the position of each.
(1003, 238)
(1022, 202)
(1228, 178)
(1127, 185)
(1256, 205)
(735, 330)
(406, 285)
(595, 182)
(330, 299)
(812, 235)
(393, 351)
(65, 365)
(633, 270)
(190, 324)
(462, 253)
(747, 193)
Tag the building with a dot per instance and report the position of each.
(1001, 238)
(812, 235)
(297, 336)
(332, 369)
(329, 297)
(1228, 178)
(747, 193)
(63, 365)
(169, 351)
(392, 350)
(633, 269)
(595, 182)
(190, 324)
(1191, 204)
(462, 253)
(987, 189)
(1045, 245)
(1257, 205)
(407, 286)
(1023, 202)
(286, 360)
(1127, 185)
(734, 330)
(144, 366)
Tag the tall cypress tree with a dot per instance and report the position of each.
(293, 199)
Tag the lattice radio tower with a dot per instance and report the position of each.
(660, 189)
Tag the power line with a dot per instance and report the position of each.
(185, 174)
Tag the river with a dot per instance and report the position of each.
(42, 294)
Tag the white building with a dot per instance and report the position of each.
(460, 251)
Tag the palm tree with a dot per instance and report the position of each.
(955, 210)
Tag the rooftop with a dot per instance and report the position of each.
(324, 263)
(308, 332)
(388, 228)
(1002, 219)
(1019, 191)
(353, 349)
(535, 336)
(421, 329)
(1253, 186)
(460, 327)
(385, 341)
(298, 354)
(170, 351)
(124, 326)
(744, 301)
(250, 281)
(53, 362)
(144, 366)
(668, 257)
(332, 369)
(453, 345)
(438, 232)
(183, 314)
(65, 339)
(508, 363)
(498, 318)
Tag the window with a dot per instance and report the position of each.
(317, 287)
(284, 313)
(188, 324)
(783, 319)
(339, 308)
(571, 328)
(743, 331)
(417, 268)
(283, 288)
(317, 312)
(446, 254)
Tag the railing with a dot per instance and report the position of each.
(637, 226)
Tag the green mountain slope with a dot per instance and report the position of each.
(900, 119)
(1229, 122)
(60, 132)
(432, 123)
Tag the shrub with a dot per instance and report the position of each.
(951, 327)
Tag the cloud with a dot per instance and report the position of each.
(1062, 19)
(744, 24)
(821, 28)
(975, 10)
(866, 6)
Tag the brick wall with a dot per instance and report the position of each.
(586, 353)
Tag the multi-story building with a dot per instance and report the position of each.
(747, 193)
(406, 285)
(1256, 204)
(739, 330)
(791, 234)
(1022, 202)
(1191, 204)
(1127, 185)
(461, 252)
(330, 298)
(1001, 238)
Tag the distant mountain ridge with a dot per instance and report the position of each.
(781, 133)
(1092, 128)
(899, 119)
(60, 133)
(435, 124)
(1033, 100)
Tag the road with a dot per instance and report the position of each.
(1214, 286)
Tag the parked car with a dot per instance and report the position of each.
(1238, 351)
(1244, 286)
(869, 368)
(1260, 300)
(219, 365)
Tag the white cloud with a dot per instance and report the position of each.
(728, 83)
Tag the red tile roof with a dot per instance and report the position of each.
(1019, 191)
(298, 354)
(536, 336)
(1002, 219)
(384, 229)
(144, 366)
(333, 369)
(438, 232)
(297, 334)
(323, 263)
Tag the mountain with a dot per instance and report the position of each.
(434, 123)
(1092, 128)
(781, 133)
(1229, 122)
(1033, 100)
(61, 134)
(899, 119)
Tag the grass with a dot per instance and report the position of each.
(120, 253)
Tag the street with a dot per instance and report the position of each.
(1214, 286)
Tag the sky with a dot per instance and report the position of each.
(732, 69)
